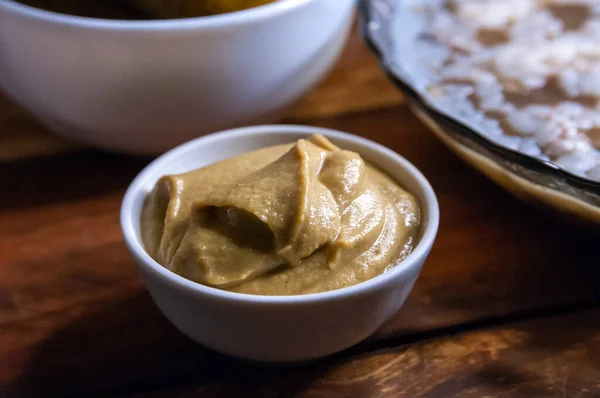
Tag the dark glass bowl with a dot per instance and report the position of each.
(526, 176)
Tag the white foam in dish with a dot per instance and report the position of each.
(526, 73)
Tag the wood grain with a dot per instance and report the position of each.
(22, 137)
(76, 321)
(356, 83)
(553, 357)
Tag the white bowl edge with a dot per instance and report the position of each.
(142, 184)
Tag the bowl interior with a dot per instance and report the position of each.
(234, 17)
(210, 149)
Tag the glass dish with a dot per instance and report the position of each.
(390, 33)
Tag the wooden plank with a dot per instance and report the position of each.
(22, 137)
(356, 83)
(555, 357)
(75, 318)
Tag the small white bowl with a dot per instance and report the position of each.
(146, 86)
(277, 328)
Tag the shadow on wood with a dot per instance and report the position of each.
(128, 346)
(122, 345)
(45, 181)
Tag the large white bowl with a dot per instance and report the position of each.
(146, 86)
(277, 328)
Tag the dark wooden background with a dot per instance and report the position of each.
(508, 304)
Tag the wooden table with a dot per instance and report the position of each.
(508, 303)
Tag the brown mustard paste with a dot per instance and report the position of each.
(291, 219)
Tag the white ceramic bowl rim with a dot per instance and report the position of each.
(251, 15)
(128, 219)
